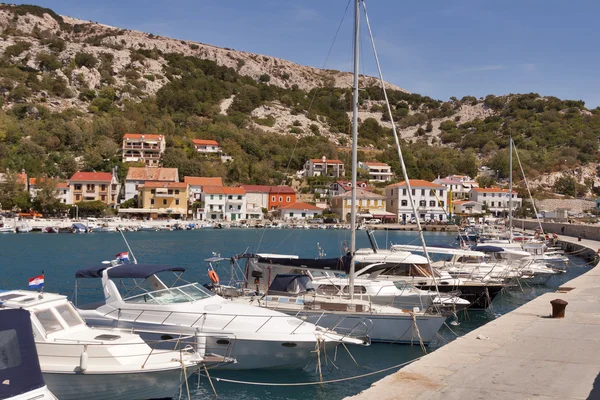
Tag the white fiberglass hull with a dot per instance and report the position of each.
(122, 386)
(38, 394)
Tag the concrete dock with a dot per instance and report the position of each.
(521, 355)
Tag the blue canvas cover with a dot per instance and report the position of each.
(142, 271)
(487, 249)
(328, 264)
(19, 366)
(290, 283)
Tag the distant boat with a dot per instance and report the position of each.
(7, 229)
(24, 228)
(147, 228)
(78, 227)
(50, 229)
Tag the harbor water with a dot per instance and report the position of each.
(60, 255)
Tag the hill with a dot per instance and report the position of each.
(70, 89)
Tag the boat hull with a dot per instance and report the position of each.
(480, 296)
(123, 386)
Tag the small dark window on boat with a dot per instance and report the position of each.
(107, 337)
(166, 337)
(222, 341)
(289, 344)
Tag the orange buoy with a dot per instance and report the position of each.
(214, 278)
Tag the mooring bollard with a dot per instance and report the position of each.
(558, 308)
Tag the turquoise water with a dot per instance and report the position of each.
(26, 255)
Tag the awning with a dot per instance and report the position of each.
(126, 271)
(365, 215)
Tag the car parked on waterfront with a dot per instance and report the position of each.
(374, 221)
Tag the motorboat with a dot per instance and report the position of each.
(79, 362)
(50, 229)
(255, 337)
(7, 229)
(21, 374)
(24, 228)
(78, 227)
(147, 228)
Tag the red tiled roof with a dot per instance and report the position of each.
(233, 190)
(280, 189)
(361, 194)
(202, 142)
(320, 161)
(203, 181)
(300, 206)
(375, 164)
(418, 183)
(62, 185)
(149, 136)
(169, 185)
(213, 190)
(91, 177)
(34, 181)
(347, 185)
(152, 174)
(22, 178)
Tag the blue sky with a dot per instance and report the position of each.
(435, 48)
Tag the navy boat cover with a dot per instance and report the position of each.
(290, 283)
(19, 366)
(328, 264)
(126, 271)
(487, 249)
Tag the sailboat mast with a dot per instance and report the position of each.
(354, 144)
(510, 196)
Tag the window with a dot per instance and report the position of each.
(89, 187)
(176, 191)
(67, 313)
(239, 207)
(220, 197)
(422, 203)
(176, 202)
(280, 198)
(103, 188)
(432, 203)
(170, 191)
(152, 191)
(220, 207)
(77, 187)
(288, 199)
(442, 204)
(441, 192)
(212, 197)
(211, 207)
(304, 214)
(239, 197)
(291, 214)
(423, 192)
(403, 192)
(48, 320)
(103, 198)
(152, 202)
(11, 356)
(485, 195)
(77, 197)
(164, 202)
(230, 197)
(272, 198)
(404, 202)
(413, 192)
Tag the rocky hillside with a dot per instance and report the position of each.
(41, 40)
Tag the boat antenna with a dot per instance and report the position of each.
(510, 194)
(128, 247)
(354, 145)
(399, 149)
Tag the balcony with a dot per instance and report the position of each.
(141, 147)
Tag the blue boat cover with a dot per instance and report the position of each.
(19, 366)
(328, 264)
(487, 249)
(126, 271)
(79, 225)
(281, 283)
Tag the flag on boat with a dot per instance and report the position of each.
(124, 256)
(36, 282)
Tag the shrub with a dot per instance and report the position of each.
(285, 76)
(87, 95)
(48, 61)
(19, 93)
(85, 60)
(194, 46)
(264, 78)
(17, 48)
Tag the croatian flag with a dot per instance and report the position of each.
(36, 282)
(124, 256)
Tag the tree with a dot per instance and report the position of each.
(48, 61)
(565, 185)
(46, 199)
(264, 78)
(485, 181)
(131, 203)
(94, 208)
(12, 193)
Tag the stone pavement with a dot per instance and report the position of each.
(521, 355)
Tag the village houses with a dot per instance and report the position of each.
(196, 183)
(460, 185)
(430, 200)
(90, 186)
(143, 147)
(224, 203)
(340, 187)
(368, 205)
(162, 199)
(495, 199)
(376, 171)
(140, 175)
(297, 211)
(324, 167)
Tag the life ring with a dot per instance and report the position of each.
(214, 278)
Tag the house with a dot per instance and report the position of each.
(224, 203)
(162, 199)
(143, 147)
(207, 146)
(340, 187)
(368, 204)
(495, 199)
(460, 185)
(281, 195)
(90, 186)
(467, 207)
(297, 211)
(62, 190)
(261, 197)
(429, 198)
(139, 175)
(21, 178)
(378, 172)
(324, 167)
(196, 184)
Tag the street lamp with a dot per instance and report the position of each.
(76, 212)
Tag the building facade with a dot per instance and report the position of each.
(460, 185)
(467, 207)
(368, 205)
(280, 196)
(163, 199)
(377, 172)
(90, 186)
(340, 187)
(429, 198)
(137, 176)
(143, 147)
(496, 200)
(207, 146)
(298, 211)
(224, 203)
(324, 167)
(62, 190)
(196, 183)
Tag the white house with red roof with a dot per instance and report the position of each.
(430, 200)
(377, 171)
(137, 176)
(297, 211)
(143, 147)
(338, 188)
(196, 183)
(207, 146)
(460, 185)
(224, 203)
(496, 199)
(90, 186)
(324, 167)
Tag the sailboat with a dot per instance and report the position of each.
(345, 312)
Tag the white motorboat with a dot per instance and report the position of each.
(147, 228)
(79, 362)
(24, 228)
(255, 337)
(7, 229)
(19, 359)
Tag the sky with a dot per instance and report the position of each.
(435, 48)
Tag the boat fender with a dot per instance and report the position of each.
(83, 359)
(214, 278)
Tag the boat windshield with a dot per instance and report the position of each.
(180, 294)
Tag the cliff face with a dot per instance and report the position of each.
(33, 35)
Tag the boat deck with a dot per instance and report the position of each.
(521, 355)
